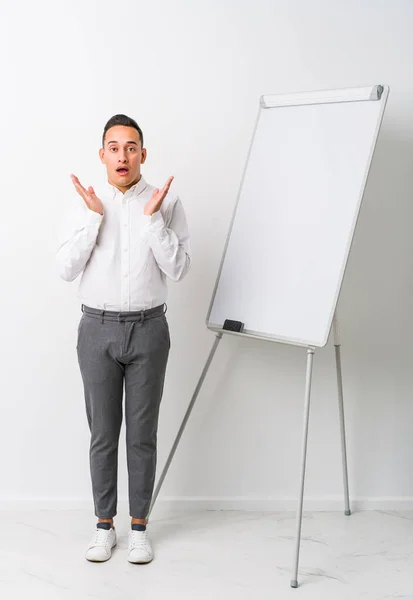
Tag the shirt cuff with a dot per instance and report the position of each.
(93, 219)
(155, 222)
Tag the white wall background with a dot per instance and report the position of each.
(191, 74)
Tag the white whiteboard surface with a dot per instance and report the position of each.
(296, 212)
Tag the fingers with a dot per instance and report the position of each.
(155, 194)
(79, 187)
(167, 184)
(77, 183)
(166, 187)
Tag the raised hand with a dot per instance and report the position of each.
(88, 195)
(155, 203)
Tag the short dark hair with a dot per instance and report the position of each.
(122, 120)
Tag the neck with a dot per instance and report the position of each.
(125, 188)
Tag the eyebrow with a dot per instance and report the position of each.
(129, 142)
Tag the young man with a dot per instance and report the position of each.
(126, 242)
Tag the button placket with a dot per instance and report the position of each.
(125, 255)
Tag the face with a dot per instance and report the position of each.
(123, 156)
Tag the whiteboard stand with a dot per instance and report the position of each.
(308, 379)
(308, 162)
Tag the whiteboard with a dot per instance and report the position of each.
(296, 212)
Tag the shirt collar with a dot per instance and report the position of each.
(135, 190)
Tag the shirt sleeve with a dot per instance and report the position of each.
(169, 240)
(77, 238)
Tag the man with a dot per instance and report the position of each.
(126, 242)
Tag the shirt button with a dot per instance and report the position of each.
(125, 249)
(125, 275)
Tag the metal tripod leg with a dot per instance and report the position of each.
(310, 356)
(310, 353)
(184, 422)
(337, 347)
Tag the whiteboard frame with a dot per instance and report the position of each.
(375, 93)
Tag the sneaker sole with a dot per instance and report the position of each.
(140, 562)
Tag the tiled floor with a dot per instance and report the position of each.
(211, 555)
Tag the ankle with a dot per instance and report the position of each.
(106, 521)
(138, 521)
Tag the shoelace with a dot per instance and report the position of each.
(137, 540)
(101, 538)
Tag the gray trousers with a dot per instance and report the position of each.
(123, 351)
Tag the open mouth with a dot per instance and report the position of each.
(122, 170)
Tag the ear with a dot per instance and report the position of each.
(102, 155)
(143, 155)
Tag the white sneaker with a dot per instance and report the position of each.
(139, 547)
(100, 547)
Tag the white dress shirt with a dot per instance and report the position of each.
(125, 256)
